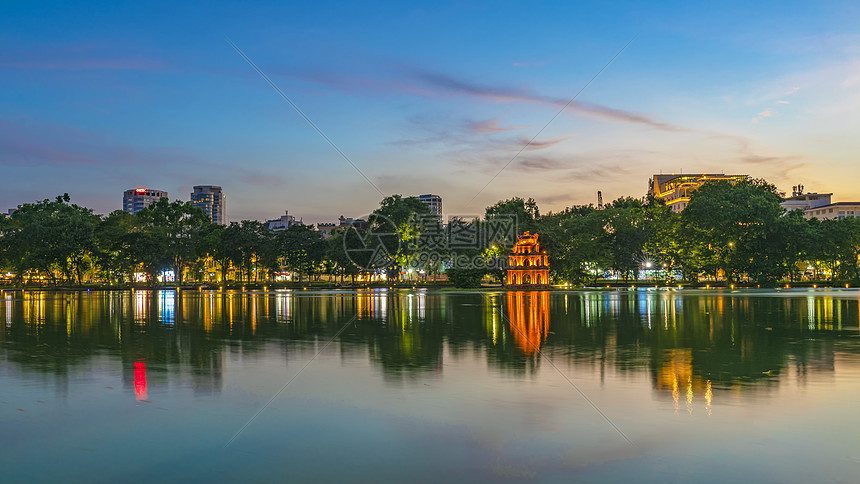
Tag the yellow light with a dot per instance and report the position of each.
(732, 286)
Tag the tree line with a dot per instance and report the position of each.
(728, 232)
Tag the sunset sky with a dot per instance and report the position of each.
(431, 97)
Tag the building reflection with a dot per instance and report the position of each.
(676, 375)
(689, 345)
(528, 314)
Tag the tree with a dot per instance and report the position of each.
(301, 249)
(113, 254)
(626, 227)
(734, 226)
(51, 238)
(410, 218)
(341, 263)
(526, 213)
(576, 241)
(166, 235)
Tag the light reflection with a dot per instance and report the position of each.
(372, 304)
(711, 343)
(141, 306)
(167, 307)
(528, 313)
(140, 380)
(284, 307)
(709, 395)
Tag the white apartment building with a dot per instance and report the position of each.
(838, 211)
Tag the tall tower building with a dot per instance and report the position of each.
(212, 201)
(137, 199)
(434, 202)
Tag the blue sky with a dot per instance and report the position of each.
(424, 98)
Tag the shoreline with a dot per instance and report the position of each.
(249, 287)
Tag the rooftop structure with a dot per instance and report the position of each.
(805, 201)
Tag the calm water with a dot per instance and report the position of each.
(431, 386)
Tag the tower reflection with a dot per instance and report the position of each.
(528, 314)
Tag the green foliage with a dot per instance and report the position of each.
(465, 278)
(729, 232)
(52, 239)
(301, 249)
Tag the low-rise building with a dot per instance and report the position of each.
(343, 223)
(326, 229)
(804, 201)
(838, 211)
(283, 223)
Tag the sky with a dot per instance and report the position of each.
(422, 97)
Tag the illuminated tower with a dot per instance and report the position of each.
(137, 199)
(212, 201)
(527, 265)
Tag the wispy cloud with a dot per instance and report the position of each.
(499, 94)
(425, 83)
(539, 145)
(767, 113)
(489, 126)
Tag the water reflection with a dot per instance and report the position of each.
(528, 313)
(690, 345)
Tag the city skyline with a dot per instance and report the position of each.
(423, 99)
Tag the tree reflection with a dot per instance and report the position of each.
(689, 343)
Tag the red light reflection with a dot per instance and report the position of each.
(140, 380)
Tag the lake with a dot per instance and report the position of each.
(657, 385)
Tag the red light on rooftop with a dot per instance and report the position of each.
(140, 190)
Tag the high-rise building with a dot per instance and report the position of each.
(212, 201)
(434, 202)
(675, 190)
(137, 199)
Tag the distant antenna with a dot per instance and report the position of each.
(599, 200)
